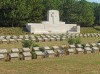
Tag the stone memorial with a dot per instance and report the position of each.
(53, 25)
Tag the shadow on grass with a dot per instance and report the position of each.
(97, 28)
(24, 29)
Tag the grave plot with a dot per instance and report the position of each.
(79, 50)
(4, 41)
(98, 45)
(26, 50)
(88, 50)
(13, 56)
(36, 49)
(26, 37)
(11, 40)
(58, 51)
(20, 36)
(72, 46)
(8, 37)
(3, 53)
(93, 44)
(15, 50)
(95, 49)
(70, 51)
(48, 52)
(40, 39)
(19, 40)
(46, 39)
(2, 57)
(26, 56)
(58, 39)
(38, 52)
(63, 48)
(14, 37)
(79, 45)
(63, 38)
(87, 45)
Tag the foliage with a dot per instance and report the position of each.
(71, 41)
(34, 56)
(27, 43)
(74, 41)
(16, 13)
(19, 12)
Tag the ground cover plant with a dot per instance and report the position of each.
(23, 31)
(69, 64)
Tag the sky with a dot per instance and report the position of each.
(98, 1)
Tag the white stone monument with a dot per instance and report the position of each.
(53, 25)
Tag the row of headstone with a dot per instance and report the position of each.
(47, 52)
(39, 38)
(83, 35)
(15, 54)
(44, 36)
(87, 48)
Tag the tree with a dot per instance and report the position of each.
(52, 5)
(69, 11)
(85, 14)
(97, 14)
(19, 12)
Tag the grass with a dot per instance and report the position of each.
(13, 31)
(22, 31)
(52, 43)
(69, 64)
(90, 29)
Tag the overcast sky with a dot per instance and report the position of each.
(98, 1)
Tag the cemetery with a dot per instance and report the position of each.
(49, 37)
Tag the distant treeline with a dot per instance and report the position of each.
(14, 13)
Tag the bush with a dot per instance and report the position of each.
(27, 43)
(77, 41)
(71, 41)
(74, 41)
(42, 49)
(34, 56)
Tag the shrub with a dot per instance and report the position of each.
(71, 41)
(34, 56)
(41, 49)
(27, 43)
(77, 41)
(74, 41)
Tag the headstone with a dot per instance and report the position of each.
(15, 50)
(36, 49)
(26, 50)
(27, 55)
(49, 53)
(88, 50)
(39, 54)
(79, 50)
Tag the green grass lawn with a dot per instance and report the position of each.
(13, 31)
(18, 30)
(90, 29)
(69, 64)
(52, 43)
